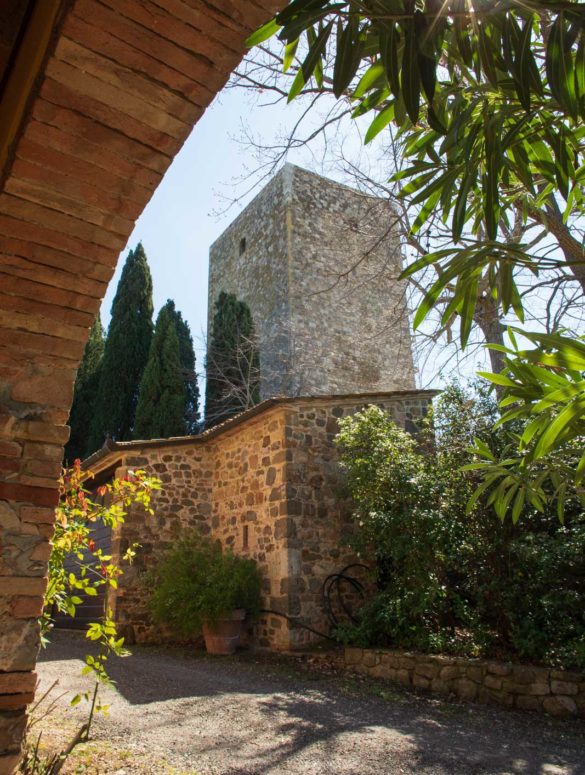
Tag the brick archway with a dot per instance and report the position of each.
(97, 98)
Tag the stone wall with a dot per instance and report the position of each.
(318, 264)
(97, 101)
(547, 690)
(266, 484)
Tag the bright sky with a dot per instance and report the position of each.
(183, 218)
(181, 221)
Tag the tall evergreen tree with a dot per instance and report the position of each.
(160, 412)
(126, 352)
(84, 394)
(232, 366)
(187, 357)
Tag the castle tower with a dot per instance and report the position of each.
(318, 264)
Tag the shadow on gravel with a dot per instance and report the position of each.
(294, 711)
(451, 739)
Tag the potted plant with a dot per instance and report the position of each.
(197, 588)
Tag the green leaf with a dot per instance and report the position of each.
(297, 85)
(289, 54)
(559, 66)
(266, 31)
(311, 61)
(374, 76)
(389, 42)
(379, 123)
(550, 437)
(410, 76)
(348, 55)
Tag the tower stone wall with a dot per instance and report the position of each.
(318, 264)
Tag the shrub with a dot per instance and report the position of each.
(451, 579)
(197, 582)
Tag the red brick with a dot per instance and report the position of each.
(39, 496)
(52, 390)
(149, 42)
(9, 763)
(69, 280)
(56, 259)
(27, 586)
(23, 288)
(45, 236)
(68, 224)
(128, 82)
(60, 94)
(37, 515)
(9, 465)
(44, 193)
(41, 343)
(124, 52)
(17, 683)
(10, 449)
(15, 701)
(41, 552)
(44, 468)
(165, 25)
(51, 452)
(90, 192)
(27, 607)
(48, 311)
(88, 85)
(33, 430)
(79, 136)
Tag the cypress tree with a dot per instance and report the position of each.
(126, 352)
(232, 366)
(160, 412)
(187, 357)
(84, 393)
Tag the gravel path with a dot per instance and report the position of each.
(185, 713)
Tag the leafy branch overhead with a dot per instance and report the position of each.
(488, 99)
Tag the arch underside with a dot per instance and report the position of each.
(97, 99)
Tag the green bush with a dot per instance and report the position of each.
(449, 580)
(197, 582)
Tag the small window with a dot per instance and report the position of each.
(242, 246)
(245, 537)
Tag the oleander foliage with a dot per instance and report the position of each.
(452, 578)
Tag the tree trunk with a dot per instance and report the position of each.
(573, 251)
(487, 318)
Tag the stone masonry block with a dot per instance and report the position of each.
(12, 726)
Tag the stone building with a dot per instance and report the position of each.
(265, 483)
(318, 264)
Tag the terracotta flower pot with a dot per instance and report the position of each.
(223, 636)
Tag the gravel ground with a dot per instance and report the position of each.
(181, 712)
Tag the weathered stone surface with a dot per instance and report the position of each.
(475, 673)
(370, 658)
(564, 687)
(498, 668)
(559, 706)
(9, 763)
(450, 671)
(466, 689)
(420, 681)
(492, 682)
(426, 670)
(253, 486)
(17, 683)
(528, 703)
(12, 726)
(19, 644)
(314, 337)
(353, 656)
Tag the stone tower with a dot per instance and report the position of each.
(318, 264)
